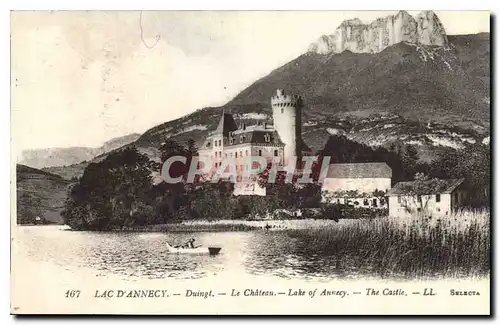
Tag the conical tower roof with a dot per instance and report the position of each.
(226, 124)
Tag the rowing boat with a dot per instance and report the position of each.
(196, 250)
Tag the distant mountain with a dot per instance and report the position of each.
(39, 194)
(50, 157)
(433, 97)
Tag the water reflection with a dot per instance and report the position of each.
(143, 255)
(278, 254)
(128, 254)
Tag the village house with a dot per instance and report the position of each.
(356, 184)
(434, 196)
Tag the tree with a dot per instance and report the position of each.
(381, 196)
(473, 163)
(212, 204)
(409, 159)
(110, 192)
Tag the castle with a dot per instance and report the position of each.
(279, 141)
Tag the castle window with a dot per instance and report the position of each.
(220, 143)
(438, 197)
(241, 139)
(267, 138)
(399, 199)
(208, 144)
(282, 110)
(236, 154)
(260, 152)
(374, 202)
(276, 153)
(365, 202)
(225, 155)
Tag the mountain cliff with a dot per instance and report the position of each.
(354, 36)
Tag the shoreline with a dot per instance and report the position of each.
(226, 225)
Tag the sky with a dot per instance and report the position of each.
(82, 78)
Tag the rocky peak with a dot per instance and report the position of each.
(430, 30)
(352, 22)
(357, 37)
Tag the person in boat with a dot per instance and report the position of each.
(189, 243)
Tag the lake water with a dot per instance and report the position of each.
(50, 261)
(139, 255)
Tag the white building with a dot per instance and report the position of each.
(436, 196)
(277, 141)
(355, 183)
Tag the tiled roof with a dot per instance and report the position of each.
(250, 137)
(427, 187)
(257, 137)
(359, 170)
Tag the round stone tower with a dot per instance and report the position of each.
(287, 111)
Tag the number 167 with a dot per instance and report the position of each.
(72, 293)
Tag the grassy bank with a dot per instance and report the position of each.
(419, 247)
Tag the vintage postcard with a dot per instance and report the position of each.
(259, 162)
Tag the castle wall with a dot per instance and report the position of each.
(241, 154)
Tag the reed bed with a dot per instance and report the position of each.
(420, 246)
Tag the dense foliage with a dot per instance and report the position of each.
(118, 192)
(111, 193)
